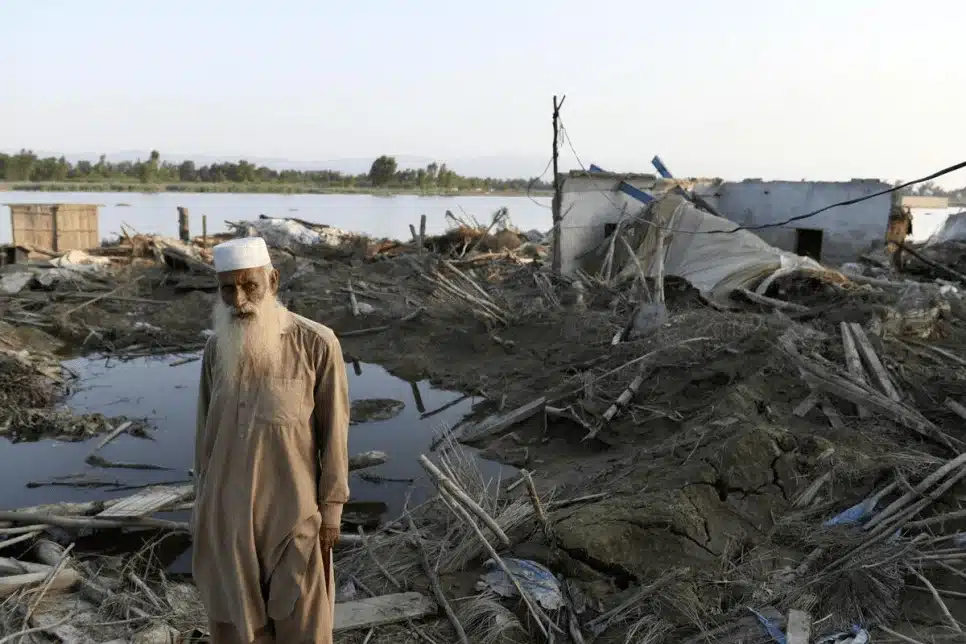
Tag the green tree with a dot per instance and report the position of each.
(61, 169)
(382, 170)
(446, 177)
(147, 171)
(20, 167)
(82, 170)
(187, 171)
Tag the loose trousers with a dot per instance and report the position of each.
(312, 619)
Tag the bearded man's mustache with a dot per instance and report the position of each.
(247, 310)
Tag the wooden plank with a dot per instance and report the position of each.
(872, 361)
(853, 361)
(65, 578)
(799, 627)
(148, 501)
(382, 610)
(496, 424)
(806, 405)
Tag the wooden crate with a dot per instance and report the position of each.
(55, 227)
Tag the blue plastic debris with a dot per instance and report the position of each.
(771, 627)
(855, 514)
(539, 582)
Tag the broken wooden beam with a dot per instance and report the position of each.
(781, 305)
(853, 361)
(821, 377)
(871, 359)
(65, 578)
(497, 424)
(9, 566)
(113, 522)
(381, 610)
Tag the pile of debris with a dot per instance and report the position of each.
(717, 439)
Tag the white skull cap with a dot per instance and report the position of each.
(239, 254)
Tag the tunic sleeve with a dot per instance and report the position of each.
(204, 399)
(331, 425)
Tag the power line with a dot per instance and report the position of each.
(534, 180)
(849, 202)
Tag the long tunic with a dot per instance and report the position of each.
(271, 468)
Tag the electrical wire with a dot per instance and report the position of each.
(808, 215)
(605, 193)
(534, 180)
(849, 202)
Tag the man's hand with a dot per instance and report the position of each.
(328, 537)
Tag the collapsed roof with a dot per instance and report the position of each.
(714, 262)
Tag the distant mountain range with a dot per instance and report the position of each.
(497, 167)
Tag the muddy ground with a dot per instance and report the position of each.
(701, 471)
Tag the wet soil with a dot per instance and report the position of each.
(700, 471)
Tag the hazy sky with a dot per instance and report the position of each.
(746, 88)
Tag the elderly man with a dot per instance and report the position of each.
(271, 463)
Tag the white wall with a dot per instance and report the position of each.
(588, 205)
(848, 230)
(591, 202)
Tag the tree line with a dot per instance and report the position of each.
(26, 166)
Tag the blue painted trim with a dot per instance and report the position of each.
(661, 168)
(636, 193)
(627, 188)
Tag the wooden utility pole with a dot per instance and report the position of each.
(184, 231)
(557, 187)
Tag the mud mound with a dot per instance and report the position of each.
(694, 515)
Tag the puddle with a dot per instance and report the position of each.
(163, 391)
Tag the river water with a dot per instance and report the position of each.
(377, 216)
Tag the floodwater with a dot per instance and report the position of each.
(163, 392)
(156, 213)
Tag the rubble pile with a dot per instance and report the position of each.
(718, 441)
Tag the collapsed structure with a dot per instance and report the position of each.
(595, 202)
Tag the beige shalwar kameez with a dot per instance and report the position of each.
(271, 468)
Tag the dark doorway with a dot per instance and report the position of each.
(808, 242)
(609, 229)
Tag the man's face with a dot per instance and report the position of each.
(244, 290)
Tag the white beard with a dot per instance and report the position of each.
(253, 343)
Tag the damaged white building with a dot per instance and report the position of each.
(593, 203)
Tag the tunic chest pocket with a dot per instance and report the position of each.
(280, 401)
